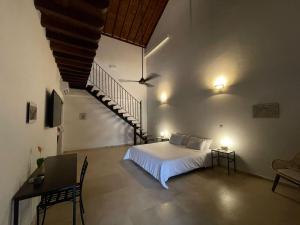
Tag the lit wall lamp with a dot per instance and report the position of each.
(220, 83)
(163, 98)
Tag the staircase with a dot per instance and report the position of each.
(111, 94)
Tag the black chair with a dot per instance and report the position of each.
(62, 196)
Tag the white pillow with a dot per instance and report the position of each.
(206, 144)
(195, 143)
(185, 138)
(176, 139)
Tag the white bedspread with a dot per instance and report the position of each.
(164, 160)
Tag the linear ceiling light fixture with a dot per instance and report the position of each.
(157, 47)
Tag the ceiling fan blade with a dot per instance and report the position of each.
(152, 76)
(149, 85)
(123, 80)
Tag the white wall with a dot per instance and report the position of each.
(27, 70)
(254, 44)
(102, 127)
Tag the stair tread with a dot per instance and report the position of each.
(117, 109)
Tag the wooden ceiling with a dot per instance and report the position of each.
(133, 21)
(74, 28)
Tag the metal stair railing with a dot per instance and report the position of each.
(113, 90)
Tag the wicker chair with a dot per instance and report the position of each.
(287, 169)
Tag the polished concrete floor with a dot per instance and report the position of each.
(118, 192)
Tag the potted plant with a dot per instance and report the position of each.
(40, 160)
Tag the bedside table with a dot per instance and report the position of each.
(219, 153)
(159, 139)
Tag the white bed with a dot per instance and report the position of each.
(164, 160)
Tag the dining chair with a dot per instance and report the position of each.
(63, 195)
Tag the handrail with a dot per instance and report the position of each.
(116, 92)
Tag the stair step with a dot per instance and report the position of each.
(89, 87)
(95, 92)
(107, 101)
(112, 104)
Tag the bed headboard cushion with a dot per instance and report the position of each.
(196, 143)
(185, 138)
(176, 139)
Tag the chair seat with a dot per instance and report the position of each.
(292, 174)
(58, 197)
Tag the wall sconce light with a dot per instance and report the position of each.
(220, 83)
(163, 98)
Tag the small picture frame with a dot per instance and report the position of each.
(82, 116)
(31, 114)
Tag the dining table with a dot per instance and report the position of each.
(59, 172)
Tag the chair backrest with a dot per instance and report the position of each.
(83, 171)
(296, 159)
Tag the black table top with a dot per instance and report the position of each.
(60, 172)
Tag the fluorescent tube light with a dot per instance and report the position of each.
(158, 46)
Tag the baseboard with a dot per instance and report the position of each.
(97, 148)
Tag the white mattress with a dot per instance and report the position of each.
(164, 160)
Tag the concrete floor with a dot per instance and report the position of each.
(118, 192)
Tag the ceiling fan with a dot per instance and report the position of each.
(143, 80)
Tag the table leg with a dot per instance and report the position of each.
(16, 212)
(234, 162)
(228, 163)
(212, 160)
(218, 158)
(74, 205)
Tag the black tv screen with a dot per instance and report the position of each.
(55, 110)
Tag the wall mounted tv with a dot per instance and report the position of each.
(55, 110)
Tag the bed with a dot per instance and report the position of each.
(164, 160)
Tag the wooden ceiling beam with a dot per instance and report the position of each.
(70, 29)
(152, 7)
(133, 21)
(68, 40)
(51, 8)
(71, 50)
(124, 19)
(136, 12)
(162, 5)
(111, 16)
(143, 18)
(116, 18)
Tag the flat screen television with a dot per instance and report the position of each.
(55, 110)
